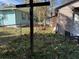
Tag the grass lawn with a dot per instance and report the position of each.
(18, 31)
(47, 45)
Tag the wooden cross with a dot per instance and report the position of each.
(32, 5)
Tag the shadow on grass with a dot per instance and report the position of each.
(46, 46)
(4, 33)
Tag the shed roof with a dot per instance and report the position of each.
(20, 9)
(66, 4)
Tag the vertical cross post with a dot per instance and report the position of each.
(31, 27)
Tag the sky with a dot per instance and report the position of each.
(15, 2)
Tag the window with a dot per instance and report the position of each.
(24, 16)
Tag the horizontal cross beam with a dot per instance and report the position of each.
(34, 4)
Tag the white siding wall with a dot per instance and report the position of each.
(65, 18)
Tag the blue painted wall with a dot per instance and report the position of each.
(7, 17)
(10, 17)
(21, 18)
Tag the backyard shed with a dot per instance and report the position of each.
(11, 17)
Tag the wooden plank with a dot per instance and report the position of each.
(34, 4)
